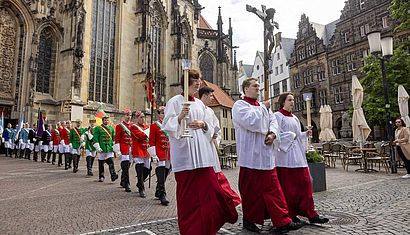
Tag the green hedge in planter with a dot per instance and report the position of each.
(314, 156)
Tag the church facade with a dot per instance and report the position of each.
(69, 57)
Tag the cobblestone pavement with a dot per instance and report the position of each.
(39, 198)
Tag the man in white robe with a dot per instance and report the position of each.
(256, 128)
(202, 206)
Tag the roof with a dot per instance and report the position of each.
(220, 97)
(203, 24)
(325, 32)
(248, 69)
(288, 44)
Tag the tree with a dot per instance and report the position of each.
(400, 11)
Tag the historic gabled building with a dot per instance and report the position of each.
(244, 72)
(258, 73)
(308, 68)
(279, 78)
(70, 56)
(348, 48)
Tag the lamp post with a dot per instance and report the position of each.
(382, 48)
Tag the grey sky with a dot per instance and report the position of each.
(248, 28)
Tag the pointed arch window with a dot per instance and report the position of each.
(185, 42)
(101, 83)
(206, 65)
(46, 60)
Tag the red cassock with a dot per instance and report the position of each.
(297, 188)
(64, 133)
(224, 183)
(159, 139)
(262, 197)
(123, 137)
(55, 137)
(203, 207)
(139, 141)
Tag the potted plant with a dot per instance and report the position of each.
(317, 170)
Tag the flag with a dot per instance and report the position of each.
(20, 125)
(99, 115)
(2, 123)
(149, 89)
(40, 124)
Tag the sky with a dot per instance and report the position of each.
(248, 28)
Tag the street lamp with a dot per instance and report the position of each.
(382, 48)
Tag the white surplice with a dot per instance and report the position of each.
(188, 153)
(291, 148)
(215, 142)
(252, 123)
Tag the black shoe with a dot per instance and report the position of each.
(297, 220)
(127, 188)
(101, 179)
(75, 170)
(53, 163)
(163, 199)
(49, 162)
(157, 193)
(251, 226)
(114, 177)
(66, 168)
(141, 192)
(318, 220)
(122, 184)
(288, 227)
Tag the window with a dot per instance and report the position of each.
(301, 53)
(225, 133)
(281, 68)
(101, 84)
(336, 67)
(351, 62)
(296, 81)
(276, 89)
(362, 2)
(320, 73)
(46, 59)
(385, 22)
(206, 65)
(278, 56)
(338, 95)
(285, 85)
(308, 76)
(311, 49)
(233, 133)
(362, 31)
(346, 37)
(299, 103)
(224, 113)
(322, 97)
(276, 70)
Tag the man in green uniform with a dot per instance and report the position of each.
(103, 144)
(88, 136)
(76, 143)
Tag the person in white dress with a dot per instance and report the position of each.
(291, 163)
(202, 205)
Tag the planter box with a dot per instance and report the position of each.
(318, 176)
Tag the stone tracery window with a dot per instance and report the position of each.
(206, 65)
(185, 43)
(101, 85)
(46, 60)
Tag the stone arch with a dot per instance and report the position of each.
(207, 66)
(17, 22)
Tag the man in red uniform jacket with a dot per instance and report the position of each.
(122, 147)
(64, 133)
(159, 142)
(56, 139)
(139, 151)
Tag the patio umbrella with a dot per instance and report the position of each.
(359, 125)
(326, 134)
(403, 100)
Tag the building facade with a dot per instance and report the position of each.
(68, 57)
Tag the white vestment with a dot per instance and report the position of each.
(215, 142)
(188, 153)
(252, 123)
(290, 151)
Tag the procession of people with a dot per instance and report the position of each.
(274, 181)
